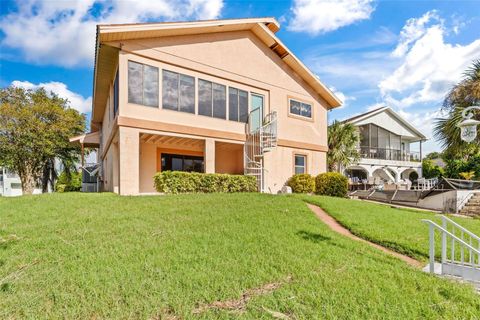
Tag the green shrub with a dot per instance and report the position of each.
(69, 184)
(331, 184)
(193, 182)
(302, 183)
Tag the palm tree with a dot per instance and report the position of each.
(342, 145)
(465, 93)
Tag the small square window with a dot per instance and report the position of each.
(300, 164)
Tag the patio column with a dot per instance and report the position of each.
(209, 155)
(421, 152)
(129, 151)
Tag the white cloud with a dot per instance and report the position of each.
(413, 30)
(429, 66)
(63, 32)
(320, 16)
(76, 100)
(340, 95)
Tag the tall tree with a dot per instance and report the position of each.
(466, 93)
(342, 145)
(35, 127)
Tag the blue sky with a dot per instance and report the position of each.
(404, 54)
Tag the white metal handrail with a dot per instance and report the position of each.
(259, 140)
(465, 201)
(472, 251)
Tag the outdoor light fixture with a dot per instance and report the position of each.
(468, 126)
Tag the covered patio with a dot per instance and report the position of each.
(161, 152)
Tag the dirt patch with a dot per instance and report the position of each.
(239, 305)
(337, 227)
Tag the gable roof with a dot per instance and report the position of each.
(264, 28)
(388, 110)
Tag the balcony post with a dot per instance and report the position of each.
(421, 152)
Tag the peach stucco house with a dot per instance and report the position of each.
(224, 96)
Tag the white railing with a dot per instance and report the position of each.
(465, 201)
(426, 184)
(460, 250)
(261, 138)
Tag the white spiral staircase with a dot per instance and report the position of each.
(261, 138)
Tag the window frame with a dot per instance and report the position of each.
(177, 152)
(305, 165)
(115, 94)
(179, 80)
(238, 104)
(212, 84)
(143, 65)
(298, 116)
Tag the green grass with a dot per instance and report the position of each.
(399, 229)
(81, 256)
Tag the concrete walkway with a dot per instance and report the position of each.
(335, 226)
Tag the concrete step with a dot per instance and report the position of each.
(470, 213)
(474, 205)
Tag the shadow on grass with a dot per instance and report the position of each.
(313, 237)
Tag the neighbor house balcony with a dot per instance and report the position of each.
(389, 154)
(380, 144)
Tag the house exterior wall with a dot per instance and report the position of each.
(237, 59)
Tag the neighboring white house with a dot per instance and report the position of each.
(10, 184)
(390, 147)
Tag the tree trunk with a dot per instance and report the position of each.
(49, 175)
(28, 177)
(28, 182)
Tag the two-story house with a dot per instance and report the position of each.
(390, 147)
(219, 96)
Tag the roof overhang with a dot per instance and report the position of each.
(89, 140)
(106, 56)
(395, 115)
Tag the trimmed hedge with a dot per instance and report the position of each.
(302, 183)
(174, 182)
(332, 184)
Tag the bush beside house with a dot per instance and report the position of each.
(174, 182)
(302, 183)
(331, 184)
(70, 183)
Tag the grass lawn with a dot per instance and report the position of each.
(399, 229)
(81, 256)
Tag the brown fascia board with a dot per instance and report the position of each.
(115, 32)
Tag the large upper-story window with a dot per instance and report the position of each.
(178, 92)
(212, 100)
(237, 105)
(142, 84)
(374, 136)
(299, 108)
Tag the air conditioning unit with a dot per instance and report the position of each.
(89, 187)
